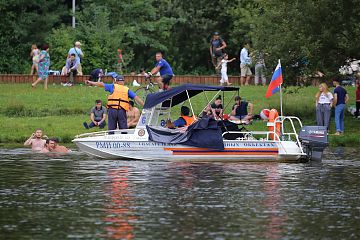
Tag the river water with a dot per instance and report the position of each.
(79, 197)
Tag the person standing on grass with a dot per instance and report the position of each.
(118, 102)
(97, 116)
(217, 46)
(223, 66)
(36, 140)
(34, 54)
(340, 99)
(357, 99)
(79, 55)
(323, 104)
(245, 62)
(44, 64)
(260, 68)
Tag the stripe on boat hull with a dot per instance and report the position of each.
(226, 151)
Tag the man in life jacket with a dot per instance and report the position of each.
(183, 120)
(118, 102)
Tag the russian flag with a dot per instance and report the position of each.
(276, 81)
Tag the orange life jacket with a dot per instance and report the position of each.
(119, 98)
(272, 116)
(188, 120)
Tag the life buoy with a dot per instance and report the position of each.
(272, 116)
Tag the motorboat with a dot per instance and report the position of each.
(206, 139)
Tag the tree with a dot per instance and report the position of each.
(23, 23)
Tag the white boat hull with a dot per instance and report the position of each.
(235, 150)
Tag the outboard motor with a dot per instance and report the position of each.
(315, 140)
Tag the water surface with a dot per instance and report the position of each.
(80, 197)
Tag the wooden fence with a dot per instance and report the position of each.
(181, 79)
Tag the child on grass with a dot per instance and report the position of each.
(223, 65)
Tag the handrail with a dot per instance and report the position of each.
(104, 133)
(282, 119)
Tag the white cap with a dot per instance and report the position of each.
(77, 43)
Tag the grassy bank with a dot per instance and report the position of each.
(60, 111)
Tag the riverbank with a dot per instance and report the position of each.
(60, 111)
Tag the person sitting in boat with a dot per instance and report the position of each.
(264, 114)
(217, 108)
(52, 146)
(184, 119)
(242, 110)
(36, 140)
(133, 115)
(118, 102)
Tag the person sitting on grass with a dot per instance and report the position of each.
(184, 119)
(133, 115)
(242, 110)
(97, 116)
(217, 108)
(52, 146)
(36, 140)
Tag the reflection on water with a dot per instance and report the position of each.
(76, 196)
(119, 210)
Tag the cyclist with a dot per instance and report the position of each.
(165, 70)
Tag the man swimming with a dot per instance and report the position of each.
(36, 140)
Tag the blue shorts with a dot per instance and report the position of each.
(166, 78)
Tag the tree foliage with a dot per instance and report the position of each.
(306, 35)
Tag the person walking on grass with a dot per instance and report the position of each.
(341, 97)
(245, 62)
(34, 54)
(44, 64)
(118, 102)
(217, 46)
(323, 104)
(223, 66)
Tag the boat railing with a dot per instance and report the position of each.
(274, 135)
(105, 133)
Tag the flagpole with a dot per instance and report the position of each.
(281, 102)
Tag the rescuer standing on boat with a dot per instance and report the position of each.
(118, 101)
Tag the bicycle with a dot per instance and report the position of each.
(142, 92)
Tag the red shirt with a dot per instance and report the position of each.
(358, 93)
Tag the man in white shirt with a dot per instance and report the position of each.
(245, 62)
(78, 54)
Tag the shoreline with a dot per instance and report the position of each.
(60, 111)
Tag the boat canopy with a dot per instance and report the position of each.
(182, 93)
(204, 133)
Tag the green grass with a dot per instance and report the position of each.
(60, 111)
